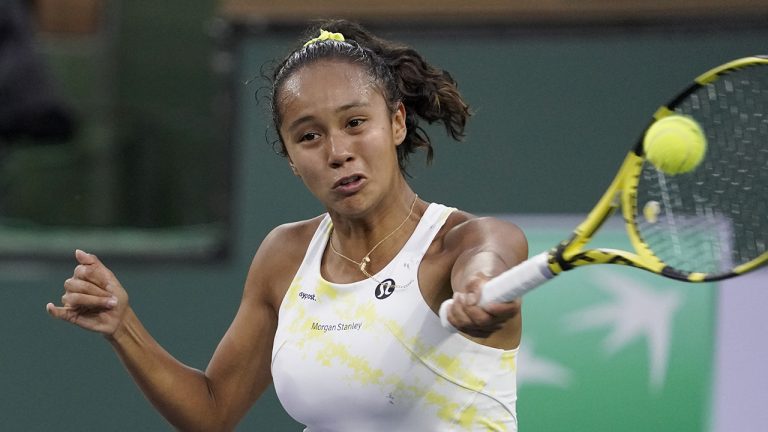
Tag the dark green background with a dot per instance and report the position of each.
(556, 109)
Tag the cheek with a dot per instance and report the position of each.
(388, 143)
(309, 175)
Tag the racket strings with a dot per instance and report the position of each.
(715, 217)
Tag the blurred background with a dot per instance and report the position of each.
(139, 131)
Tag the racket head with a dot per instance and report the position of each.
(710, 223)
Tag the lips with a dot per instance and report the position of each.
(344, 181)
(349, 183)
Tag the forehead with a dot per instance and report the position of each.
(325, 83)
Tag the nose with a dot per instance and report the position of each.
(339, 151)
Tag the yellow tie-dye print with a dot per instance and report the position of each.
(335, 354)
(325, 290)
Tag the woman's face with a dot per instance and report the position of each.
(340, 136)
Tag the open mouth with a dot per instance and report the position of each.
(346, 181)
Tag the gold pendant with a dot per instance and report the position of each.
(364, 263)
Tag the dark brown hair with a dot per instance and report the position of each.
(401, 73)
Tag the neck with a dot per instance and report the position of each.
(366, 229)
(376, 239)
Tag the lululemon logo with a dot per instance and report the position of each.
(384, 289)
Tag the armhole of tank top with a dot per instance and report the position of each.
(318, 240)
(435, 227)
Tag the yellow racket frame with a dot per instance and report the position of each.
(622, 192)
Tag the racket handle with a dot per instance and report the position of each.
(510, 285)
(517, 281)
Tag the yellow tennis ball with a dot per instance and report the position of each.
(675, 144)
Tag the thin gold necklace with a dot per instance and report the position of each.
(367, 258)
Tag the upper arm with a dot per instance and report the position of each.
(239, 371)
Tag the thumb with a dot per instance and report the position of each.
(474, 289)
(57, 312)
(471, 296)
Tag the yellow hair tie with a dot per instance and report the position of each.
(326, 35)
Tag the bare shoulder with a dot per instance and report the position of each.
(289, 239)
(278, 259)
(465, 231)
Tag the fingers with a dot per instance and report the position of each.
(92, 270)
(467, 316)
(506, 310)
(93, 297)
(83, 286)
(87, 290)
(85, 258)
(83, 301)
(467, 313)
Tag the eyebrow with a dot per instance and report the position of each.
(307, 118)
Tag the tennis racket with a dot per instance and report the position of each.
(704, 225)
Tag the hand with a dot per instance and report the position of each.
(466, 315)
(93, 297)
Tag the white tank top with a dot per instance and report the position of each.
(369, 356)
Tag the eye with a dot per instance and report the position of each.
(355, 122)
(309, 136)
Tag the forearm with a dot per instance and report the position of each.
(487, 248)
(181, 394)
(476, 266)
(190, 399)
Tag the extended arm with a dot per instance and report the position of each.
(488, 247)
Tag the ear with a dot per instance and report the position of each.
(293, 168)
(399, 131)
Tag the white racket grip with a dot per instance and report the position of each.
(517, 281)
(508, 286)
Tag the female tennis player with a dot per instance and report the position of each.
(339, 312)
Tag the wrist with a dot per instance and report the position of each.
(124, 329)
